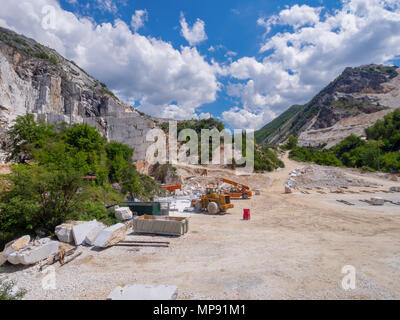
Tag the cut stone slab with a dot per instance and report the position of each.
(110, 236)
(34, 253)
(143, 292)
(14, 246)
(64, 231)
(170, 226)
(80, 231)
(89, 240)
(376, 201)
(123, 213)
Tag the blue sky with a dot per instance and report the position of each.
(244, 62)
(230, 25)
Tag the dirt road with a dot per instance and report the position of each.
(294, 247)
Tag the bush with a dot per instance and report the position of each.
(6, 290)
(266, 159)
(39, 197)
(291, 144)
(48, 184)
(42, 55)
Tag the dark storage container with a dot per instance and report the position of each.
(143, 208)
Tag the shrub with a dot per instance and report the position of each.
(7, 290)
(47, 186)
(291, 144)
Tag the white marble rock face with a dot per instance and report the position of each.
(65, 94)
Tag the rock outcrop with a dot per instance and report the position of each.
(351, 103)
(36, 79)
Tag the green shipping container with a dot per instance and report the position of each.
(144, 208)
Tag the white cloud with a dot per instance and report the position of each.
(195, 34)
(295, 16)
(302, 61)
(164, 81)
(138, 19)
(243, 119)
(205, 115)
(107, 5)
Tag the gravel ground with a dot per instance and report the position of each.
(294, 247)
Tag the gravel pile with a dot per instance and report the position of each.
(315, 177)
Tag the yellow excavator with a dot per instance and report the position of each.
(213, 202)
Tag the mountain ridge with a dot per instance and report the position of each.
(349, 104)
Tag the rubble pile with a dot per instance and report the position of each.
(23, 251)
(318, 177)
(197, 184)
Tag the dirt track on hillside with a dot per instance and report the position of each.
(294, 247)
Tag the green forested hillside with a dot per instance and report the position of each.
(326, 109)
(274, 126)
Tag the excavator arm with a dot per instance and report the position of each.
(241, 187)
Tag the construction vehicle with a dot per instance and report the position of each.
(238, 190)
(213, 202)
(172, 188)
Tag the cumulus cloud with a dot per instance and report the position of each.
(107, 5)
(205, 115)
(243, 119)
(163, 80)
(138, 19)
(295, 16)
(299, 63)
(195, 34)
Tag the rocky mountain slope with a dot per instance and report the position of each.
(36, 79)
(351, 103)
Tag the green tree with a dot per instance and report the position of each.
(119, 158)
(25, 136)
(291, 144)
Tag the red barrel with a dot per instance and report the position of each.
(246, 214)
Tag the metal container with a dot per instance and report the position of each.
(144, 208)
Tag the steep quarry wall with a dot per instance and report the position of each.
(37, 80)
(348, 105)
(388, 96)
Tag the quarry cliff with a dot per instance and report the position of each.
(348, 105)
(36, 79)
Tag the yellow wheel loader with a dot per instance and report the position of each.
(213, 202)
